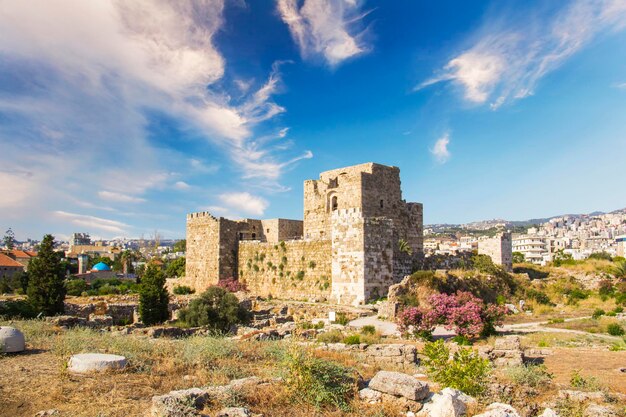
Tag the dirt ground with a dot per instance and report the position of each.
(602, 364)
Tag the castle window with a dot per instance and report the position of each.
(253, 235)
(334, 204)
(240, 236)
(268, 230)
(382, 203)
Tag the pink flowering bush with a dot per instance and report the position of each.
(231, 285)
(467, 315)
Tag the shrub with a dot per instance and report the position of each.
(597, 313)
(539, 296)
(183, 290)
(333, 336)
(369, 329)
(579, 381)
(176, 268)
(216, 308)
(530, 375)
(75, 286)
(306, 325)
(466, 371)
(153, 297)
(17, 309)
(232, 284)
(353, 339)
(615, 329)
(618, 309)
(462, 312)
(319, 382)
(342, 318)
(575, 295)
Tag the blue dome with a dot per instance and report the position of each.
(101, 266)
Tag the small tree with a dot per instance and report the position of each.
(46, 286)
(176, 268)
(9, 239)
(518, 258)
(153, 297)
(180, 246)
(216, 308)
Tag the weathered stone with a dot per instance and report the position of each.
(67, 321)
(47, 413)
(499, 410)
(508, 343)
(11, 340)
(234, 412)
(548, 412)
(595, 410)
(95, 362)
(399, 384)
(581, 396)
(182, 403)
(448, 403)
(370, 396)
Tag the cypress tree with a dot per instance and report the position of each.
(46, 286)
(153, 297)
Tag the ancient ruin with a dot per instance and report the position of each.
(358, 237)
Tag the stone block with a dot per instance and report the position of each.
(399, 384)
(11, 340)
(95, 362)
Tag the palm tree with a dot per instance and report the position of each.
(620, 270)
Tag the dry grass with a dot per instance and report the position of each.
(38, 379)
(588, 325)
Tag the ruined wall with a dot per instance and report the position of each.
(499, 249)
(295, 269)
(211, 250)
(348, 257)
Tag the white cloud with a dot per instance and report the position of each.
(119, 197)
(244, 203)
(620, 86)
(92, 222)
(506, 62)
(325, 28)
(182, 185)
(440, 150)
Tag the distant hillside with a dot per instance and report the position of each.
(519, 225)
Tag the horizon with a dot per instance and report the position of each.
(119, 119)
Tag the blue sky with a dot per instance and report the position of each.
(118, 118)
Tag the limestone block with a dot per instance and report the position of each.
(11, 340)
(508, 343)
(499, 410)
(548, 412)
(370, 396)
(399, 384)
(234, 412)
(179, 403)
(595, 410)
(448, 403)
(95, 362)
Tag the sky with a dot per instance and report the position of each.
(117, 118)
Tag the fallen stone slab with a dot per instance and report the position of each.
(95, 362)
(236, 412)
(595, 410)
(11, 340)
(182, 403)
(548, 412)
(400, 385)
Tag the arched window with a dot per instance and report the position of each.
(333, 203)
(382, 203)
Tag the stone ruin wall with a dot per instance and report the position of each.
(293, 269)
(499, 249)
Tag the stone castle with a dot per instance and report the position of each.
(358, 237)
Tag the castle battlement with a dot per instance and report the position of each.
(346, 249)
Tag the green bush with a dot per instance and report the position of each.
(307, 325)
(597, 313)
(153, 297)
(575, 295)
(319, 382)
(369, 329)
(17, 309)
(75, 286)
(538, 296)
(183, 290)
(215, 308)
(353, 339)
(588, 383)
(530, 375)
(618, 309)
(615, 329)
(466, 370)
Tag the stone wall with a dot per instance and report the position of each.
(295, 269)
(499, 249)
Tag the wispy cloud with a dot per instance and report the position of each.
(92, 222)
(181, 185)
(440, 149)
(244, 203)
(508, 58)
(119, 197)
(621, 86)
(326, 28)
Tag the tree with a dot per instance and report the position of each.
(153, 297)
(518, 258)
(216, 308)
(46, 286)
(620, 270)
(180, 246)
(9, 239)
(176, 268)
